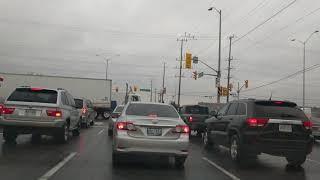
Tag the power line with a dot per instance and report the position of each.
(265, 21)
(284, 78)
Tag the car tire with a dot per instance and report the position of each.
(235, 151)
(92, 123)
(207, 142)
(35, 138)
(62, 134)
(296, 161)
(110, 132)
(105, 115)
(9, 136)
(179, 162)
(76, 132)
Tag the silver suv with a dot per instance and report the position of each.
(39, 111)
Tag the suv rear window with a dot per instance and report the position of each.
(278, 109)
(197, 110)
(152, 109)
(79, 103)
(34, 95)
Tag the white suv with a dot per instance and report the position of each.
(38, 111)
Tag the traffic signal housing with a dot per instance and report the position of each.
(188, 60)
(195, 75)
(246, 83)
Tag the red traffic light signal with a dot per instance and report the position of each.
(195, 75)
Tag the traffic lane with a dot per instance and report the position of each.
(315, 155)
(266, 167)
(29, 161)
(95, 163)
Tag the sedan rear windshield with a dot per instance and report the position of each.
(34, 95)
(79, 103)
(279, 111)
(152, 110)
(197, 110)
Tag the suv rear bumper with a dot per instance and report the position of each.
(280, 147)
(29, 123)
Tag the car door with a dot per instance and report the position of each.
(74, 117)
(222, 124)
(91, 114)
(213, 124)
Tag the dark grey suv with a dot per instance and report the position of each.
(250, 127)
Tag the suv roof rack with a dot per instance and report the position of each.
(60, 89)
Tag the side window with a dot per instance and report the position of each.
(242, 110)
(64, 99)
(232, 109)
(223, 110)
(71, 100)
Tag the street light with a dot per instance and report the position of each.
(107, 59)
(219, 58)
(304, 65)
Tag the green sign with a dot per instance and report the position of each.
(145, 90)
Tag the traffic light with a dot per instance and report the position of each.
(135, 88)
(230, 86)
(220, 90)
(246, 83)
(188, 61)
(117, 89)
(194, 75)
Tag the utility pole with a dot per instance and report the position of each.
(163, 78)
(126, 98)
(182, 39)
(219, 56)
(155, 94)
(151, 92)
(238, 91)
(229, 68)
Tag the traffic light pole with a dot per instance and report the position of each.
(229, 68)
(179, 90)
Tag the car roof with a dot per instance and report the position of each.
(155, 103)
(256, 100)
(53, 89)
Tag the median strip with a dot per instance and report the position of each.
(52, 171)
(221, 169)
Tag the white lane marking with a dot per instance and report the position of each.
(100, 131)
(314, 161)
(52, 171)
(221, 169)
(99, 123)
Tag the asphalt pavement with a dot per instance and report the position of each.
(89, 157)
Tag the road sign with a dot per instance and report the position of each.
(200, 75)
(195, 59)
(145, 90)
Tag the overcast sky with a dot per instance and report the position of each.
(62, 37)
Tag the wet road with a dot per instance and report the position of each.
(89, 157)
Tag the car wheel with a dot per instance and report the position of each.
(76, 132)
(296, 161)
(235, 149)
(179, 162)
(92, 123)
(35, 138)
(106, 115)
(207, 143)
(62, 135)
(9, 135)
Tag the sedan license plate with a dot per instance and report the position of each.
(32, 112)
(285, 128)
(154, 131)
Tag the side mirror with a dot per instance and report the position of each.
(213, 113)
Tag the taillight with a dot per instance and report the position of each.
(54, 112)
(257, 122)
(1, 108)
(190, 119)
(7, 110)
(115, 116)
(182, 129)
(128, 126)
(307, 124)
(84, 110)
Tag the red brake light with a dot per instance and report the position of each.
(54, 112)
(6, 110)
(36, 89)
(129, 126)
(257, 122)
(84, 110)
(182, 129)
(190, 119)
(278, 102)
(1, 108)
(307, 124)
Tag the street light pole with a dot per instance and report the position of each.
(107, 65)
(219, 56)
(107, 62)
(304, 66)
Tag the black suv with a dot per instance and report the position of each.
(250, 127)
